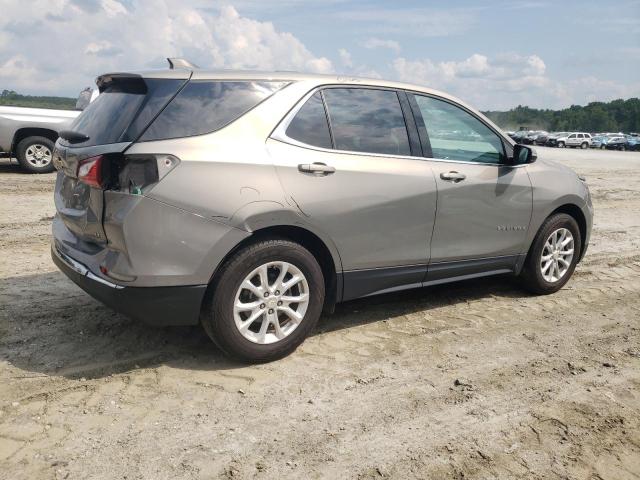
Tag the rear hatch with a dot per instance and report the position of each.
(96, 141)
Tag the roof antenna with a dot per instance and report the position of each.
(181, 63)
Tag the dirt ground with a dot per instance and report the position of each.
(469, 380)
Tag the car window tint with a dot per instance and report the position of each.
(455, 134)
(310, 124)
(124, 109)
(367, 120)
(206, 106)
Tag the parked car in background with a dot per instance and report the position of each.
(599, 141)
(552, 138)
(541, 138)
(520, 135)
(251, 202)
(618, 142)
(577, 140)
(633, 142)
(29, 134)
(531, 137)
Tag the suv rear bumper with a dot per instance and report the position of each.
(159, 306)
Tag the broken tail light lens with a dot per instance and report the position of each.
(137, 174)
(90, 171)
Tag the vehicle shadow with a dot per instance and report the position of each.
(10, 166)
(49, 326)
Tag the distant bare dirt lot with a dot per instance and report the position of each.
(469, 380)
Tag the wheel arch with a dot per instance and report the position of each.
(327, 257)
(27, 132)
(576, 212)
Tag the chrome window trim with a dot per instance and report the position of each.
(279, 133)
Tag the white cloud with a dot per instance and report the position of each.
(507, 80)
(345, 57)
(485, 82)
(373, 43)
(63, 44)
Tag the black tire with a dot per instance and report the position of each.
(531, 275)
(217, 315)
(561, 144)
(21, 154)
(584, 145)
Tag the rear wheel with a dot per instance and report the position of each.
(266, 300)
(35, 154)
(584, 145)
(553, 255)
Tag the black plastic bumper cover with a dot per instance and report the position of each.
(159, 306)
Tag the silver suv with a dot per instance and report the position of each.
(251, 202)
(576, 139)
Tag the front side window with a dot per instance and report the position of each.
(206, 106)
(310, 124)
(367, 120)
(455, 134)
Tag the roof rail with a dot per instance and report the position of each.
(181, 63)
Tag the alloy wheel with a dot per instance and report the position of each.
(38, 155)
(557, 255)
(271, 302)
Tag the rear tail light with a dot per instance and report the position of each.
(90, 171)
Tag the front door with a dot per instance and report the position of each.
(484, 206)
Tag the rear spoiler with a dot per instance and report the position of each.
(179, 68)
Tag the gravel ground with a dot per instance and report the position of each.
(468, 380)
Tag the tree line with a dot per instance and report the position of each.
(615, 116)
(11, 98)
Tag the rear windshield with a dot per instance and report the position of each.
(123, 109)
(206, 106)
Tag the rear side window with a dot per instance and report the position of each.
(310, 124)
(367, 120)
(123, 109)
(206, 106)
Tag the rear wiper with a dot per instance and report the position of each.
(72, 136)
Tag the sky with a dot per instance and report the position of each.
(493, 54)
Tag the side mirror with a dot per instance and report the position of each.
(523, 154)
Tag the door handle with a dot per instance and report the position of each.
(453, 176)
(317, 168)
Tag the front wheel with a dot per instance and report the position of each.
(35, 154)
(561, 144)
(553, 255)
(266, 300)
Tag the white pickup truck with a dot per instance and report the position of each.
(30, 134)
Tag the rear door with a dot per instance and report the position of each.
(359, 183)
(484, 205)
(107, 126)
